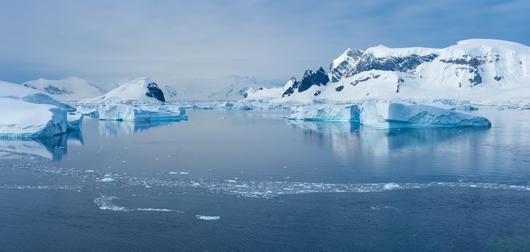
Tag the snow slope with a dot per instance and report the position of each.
(139, 90)
(70, 89)
(27, 112)
(478, 70)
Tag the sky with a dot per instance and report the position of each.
(171, 41)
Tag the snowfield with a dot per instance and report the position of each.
(71, 89)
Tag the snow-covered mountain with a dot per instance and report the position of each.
(139, 90)
(70, 89)
(479, 70)
(219, 89)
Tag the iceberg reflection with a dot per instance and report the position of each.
(349, 141)
(122, 128)
(53, 148)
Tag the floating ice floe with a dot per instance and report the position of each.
(207, 218)
(105, 202)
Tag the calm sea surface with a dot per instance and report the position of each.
(254, 181)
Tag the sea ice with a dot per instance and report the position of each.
(207, 218)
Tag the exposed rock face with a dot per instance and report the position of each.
(310, 78)
(291, 85)
(471, 65)
(343, 65)
(475, 68)
(401, 64)
(155, 92)
(313, 78)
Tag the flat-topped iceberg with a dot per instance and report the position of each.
(388, 115)
(125, 112)
(321, 112)
(29, 113)
(399, 114)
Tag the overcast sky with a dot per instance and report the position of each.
(271, 40)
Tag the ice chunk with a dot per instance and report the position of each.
(338, 113)
(207, 218)
(29, 113)
(124, 112)
(399, 114)
(24, 119)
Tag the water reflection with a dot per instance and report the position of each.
(123, 128)
(53, 148)
(349, 141)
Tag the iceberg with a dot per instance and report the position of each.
(386, 115)
(333, 113)
(30, 113)
(90, 110)
(399, 114)
(125, 112)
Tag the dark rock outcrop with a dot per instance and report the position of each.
(344, 68)
(401, 64)
(155, 92)
(311, 78)
(470, 64)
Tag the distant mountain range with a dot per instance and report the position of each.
(475, 69)
(75, 89)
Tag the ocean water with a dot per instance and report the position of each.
(254, 181)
